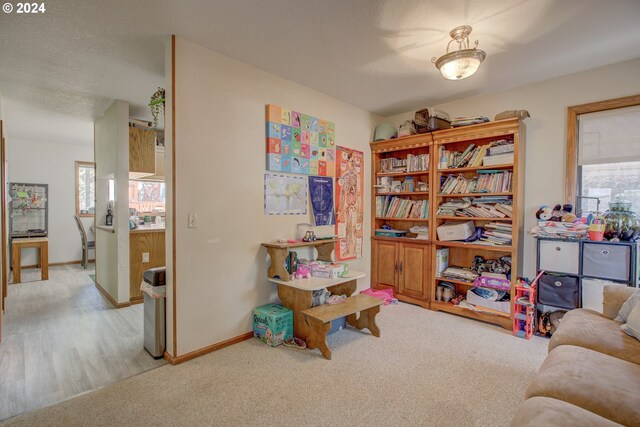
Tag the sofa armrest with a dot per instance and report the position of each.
(614, 297)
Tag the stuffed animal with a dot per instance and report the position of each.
(544, 213)
(302, 272)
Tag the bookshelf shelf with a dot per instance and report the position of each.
(477, 168)
(392, 174)
(402, 219)
(474, 194)
(464, 145)
(405, 193)
(496, 248)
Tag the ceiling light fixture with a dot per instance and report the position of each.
(463, 62)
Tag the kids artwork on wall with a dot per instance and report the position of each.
(299, 143)
(349, 203)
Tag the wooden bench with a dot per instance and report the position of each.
(319, 319)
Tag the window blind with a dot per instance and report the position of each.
(611, 136)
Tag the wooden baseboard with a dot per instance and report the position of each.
(206, 350)
(113, 302)
(53, 264)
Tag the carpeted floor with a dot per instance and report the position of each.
(427, 368)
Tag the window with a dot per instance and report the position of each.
(85, 188)
(147, 196)
(603, 154)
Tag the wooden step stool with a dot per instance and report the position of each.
(319, 319)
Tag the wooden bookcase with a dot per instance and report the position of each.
(408, 264)
(401, 263)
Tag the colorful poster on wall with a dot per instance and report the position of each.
(349, 203)
(299, 143)
(321, 192)
(284, 194)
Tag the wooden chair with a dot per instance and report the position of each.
(86, 244)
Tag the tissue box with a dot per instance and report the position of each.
(272, 324)
(456, 231)
(329, 270)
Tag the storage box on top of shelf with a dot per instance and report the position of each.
(329, 270)
(272, 324)
(456, 231)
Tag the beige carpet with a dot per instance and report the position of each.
(427, 368)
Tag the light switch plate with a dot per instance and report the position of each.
(145, 257)
(192, 220)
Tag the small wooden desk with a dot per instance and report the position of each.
(17, 244)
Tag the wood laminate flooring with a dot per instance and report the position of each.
(62, 338)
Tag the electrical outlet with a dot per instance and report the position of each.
(145, 257)
(192, 220)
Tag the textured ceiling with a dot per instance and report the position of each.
(375, 54)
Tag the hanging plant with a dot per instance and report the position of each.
(156, 104)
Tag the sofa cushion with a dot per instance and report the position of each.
(632, 327)
(599, 383)
(627, 306)
(614, 297)
(544, 411)
(588, 329)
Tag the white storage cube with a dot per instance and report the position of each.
(592, 293)
(560, 257)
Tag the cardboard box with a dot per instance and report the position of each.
(456, 231)
(272, 324)
(442, 260)
(329, 270)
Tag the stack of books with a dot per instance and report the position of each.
(481, 207)
(465, 121)
(397, 207)
(494, 181)
(499, 153)
(460, 273)
(496, 234)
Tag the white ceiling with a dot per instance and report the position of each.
(78, 55)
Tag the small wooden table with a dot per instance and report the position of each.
(297, 295)
(17, 244)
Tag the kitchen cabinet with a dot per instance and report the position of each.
(142, 154)
(403, 266)
(152, 242)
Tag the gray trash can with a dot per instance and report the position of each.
(154, 290)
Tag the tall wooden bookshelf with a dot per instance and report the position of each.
(388, 252)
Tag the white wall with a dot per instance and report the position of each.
(44, 162)
(220, 165)
(547, 103)
(112, 161)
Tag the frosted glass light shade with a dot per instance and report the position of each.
(460, 64)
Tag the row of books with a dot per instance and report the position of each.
(497, 233)
(471, 157)
(393, 165)
(491, 181)
(417, 163)
(398, 207)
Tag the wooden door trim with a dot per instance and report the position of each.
(173, 190)
(571, 183)
(3, 223)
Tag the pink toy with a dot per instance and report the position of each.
(303, 272)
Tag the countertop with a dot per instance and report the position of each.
(149, 228)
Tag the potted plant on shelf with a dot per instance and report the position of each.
(156, 104)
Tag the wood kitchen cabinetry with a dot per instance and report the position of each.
(141, 242)
(142, 154)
